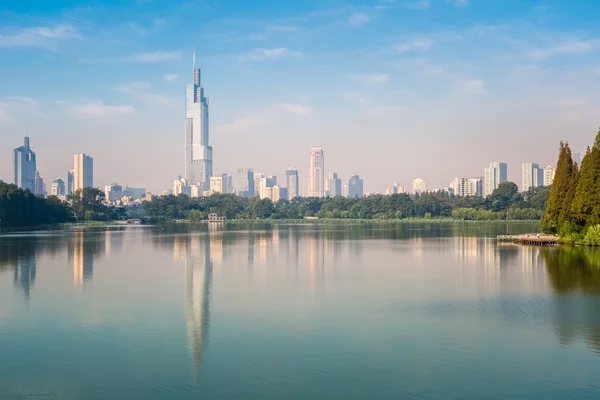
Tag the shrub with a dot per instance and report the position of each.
(592, 237)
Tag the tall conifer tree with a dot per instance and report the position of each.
(559, 189)
(585, 209)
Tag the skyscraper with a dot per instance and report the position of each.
(316, 172)
(70, 181)
(355, 186)
(531, 176)
(419, 186)
(83, 171)
(244, 182)
(549, 173)
(292, 182)
(40, 188)
(334, 185)
(24, 167)
(58, 188)
(467, 187)
(198, 154)
(494, 175)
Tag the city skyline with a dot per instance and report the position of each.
(274, 93)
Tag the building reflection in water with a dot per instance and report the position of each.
(198, 281)
(24, 275)
(82, 256)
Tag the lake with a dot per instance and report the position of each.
(341, 311)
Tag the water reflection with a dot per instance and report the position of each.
(574, 274)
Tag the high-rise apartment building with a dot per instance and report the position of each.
(316, 172)
(333, 185)
(244, 182)
(257, 179)
(83, 171)
(219, 184)
(24, 167)
(531, 176)
(549, 173)
(292, 182)
(355, 186)
(419, 186)
(494, 175)
(198, 153)
(465, 187)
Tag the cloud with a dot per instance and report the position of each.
(171, 77)
(10, 106)
(283, 28)
(98, 110)
(370, 108)
(157, 56)
(568, 47)
(417, 4)
(371, 79)
(40, 36)
(270, 54)
(141, 90)
(415, 44)
(473, 86)
(296, 109)
(460, 3)
(242, 125)
(358, 19)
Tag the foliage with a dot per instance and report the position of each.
(21, 208)
(592, 237)
(196, 216)
(504, 196)
(89, 204)
(585, 207)
(560, 188)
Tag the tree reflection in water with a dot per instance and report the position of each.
(574, 273)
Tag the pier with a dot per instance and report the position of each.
(534, 239)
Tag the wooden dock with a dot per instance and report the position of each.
(534, 239)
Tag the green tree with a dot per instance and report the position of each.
(88, 203)
(505, 195)
(196, 216)
(565, 213)
(559, 189)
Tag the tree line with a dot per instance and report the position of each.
(505, 201)
(573, 209)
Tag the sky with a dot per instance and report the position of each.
(391, 89)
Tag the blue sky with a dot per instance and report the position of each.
(392, 90)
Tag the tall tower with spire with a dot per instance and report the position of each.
(198, 153)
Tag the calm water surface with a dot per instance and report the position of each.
(296, 312)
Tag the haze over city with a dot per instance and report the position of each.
(391, 90)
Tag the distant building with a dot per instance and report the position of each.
(531, 176)
(24, 167)
(40, 188)
(279, 193)
(180, 186)
(70, 181)
(419, 186)
(219, 184)
(355, 186)
(549, 173)
(464, 187)
(244, 182)
(316, 172)
(333, 185)
(83, 171)
(292, 182)
(395, 188)
(196, 191)
(113, 192)
(345, 190)
(494, 175)
(58, 188)
(257, 178)
(266, 185)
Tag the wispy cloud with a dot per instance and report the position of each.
(570, 47)
(296, 109)
(415, 44)
(283, 28)
(473, 86)
(98, 110)
(417, 4)
(370, 108)
(371, 79)
(142, 91)
(242, 124)
(269, 54)
(157, 56)
(40, 36)
(460, 3)
(11, 106)
(171, 77)
(358, 19)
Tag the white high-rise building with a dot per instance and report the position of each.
(198, 153)
(494, 175)
(316, 172)
(180, 186)
(549, 173)
(220, 184)
(531, 176)
(419, 186)
(292, 182)
(333, 185)
(467, 187)
(83, 171)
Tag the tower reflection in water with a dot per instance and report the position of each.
(81, 254)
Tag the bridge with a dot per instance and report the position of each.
(536, 239)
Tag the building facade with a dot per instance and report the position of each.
(531, 176)
(70, 181)
(198, 152)
(244, 182)
(58, 188)
(549, 173)
(419, 186)
(83, 171)
(24, 167)
(180, 186)
(40, 187)
(220, 184)
(316, 173)
(333, 185)
(355, 186)
(279, 193)
(292, 182)
(493, 176)
(466, 187)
